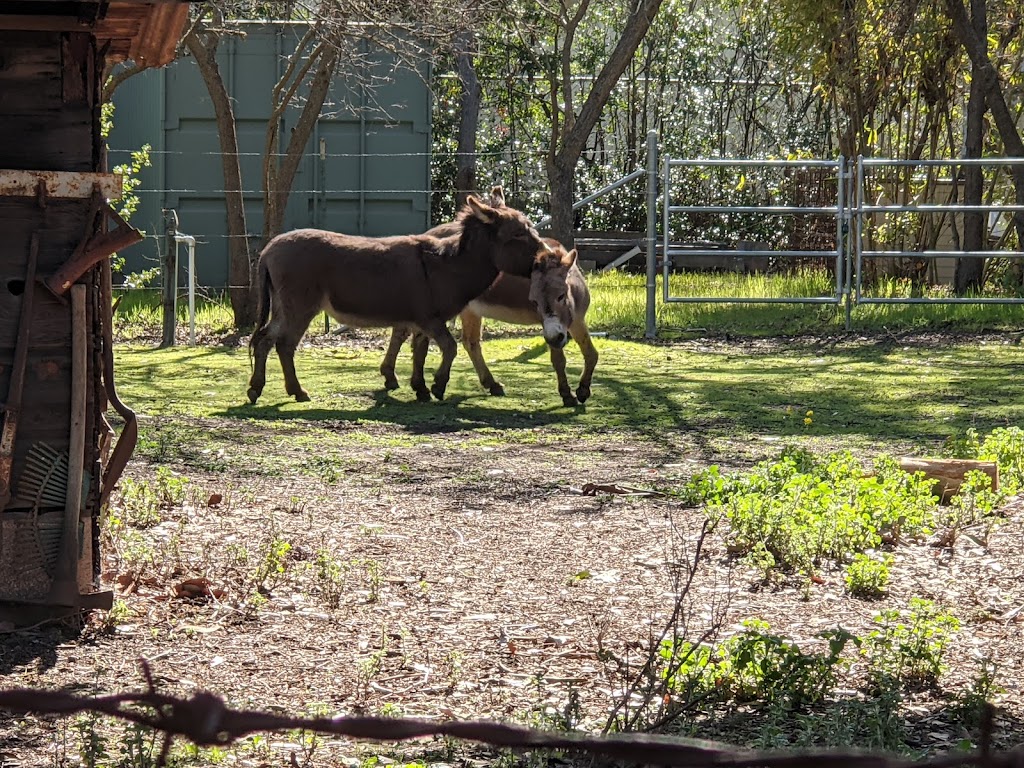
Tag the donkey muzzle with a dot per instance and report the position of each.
(554, 332)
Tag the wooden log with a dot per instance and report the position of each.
(949, 473)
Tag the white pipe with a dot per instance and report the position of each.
(190, 241)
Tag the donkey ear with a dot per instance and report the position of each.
(497, 195)
(570, 258)
(481, 210)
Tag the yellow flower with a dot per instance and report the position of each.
(810, 413)
(808, 420)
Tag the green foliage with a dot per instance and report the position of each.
(141, 501)
(795, 511)
(870, 722)
(909, 644)
(792, 512)
(754, 665)
(868, 575)
(130, 181)
(1003, 445)
(273, 563)
(330, 577)
(827, 697)
(970, 704)
(975, 503)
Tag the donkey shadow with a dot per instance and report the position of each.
(456, 413)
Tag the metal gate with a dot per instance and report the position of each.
(856, 216)
(674, 254)
(865, 215)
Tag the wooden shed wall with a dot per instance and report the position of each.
(47, 84)
(49, 97)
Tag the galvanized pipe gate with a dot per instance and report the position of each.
(851, 214)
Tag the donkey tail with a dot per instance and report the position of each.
(264, 288)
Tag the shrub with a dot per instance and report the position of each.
(799, 509)
(909, 645)
(867, 576)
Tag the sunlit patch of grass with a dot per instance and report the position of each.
(860, 394)
(619, 303)
(140, 315)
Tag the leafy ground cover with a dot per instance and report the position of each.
(511, 558)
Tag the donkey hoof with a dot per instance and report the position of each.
(438, 392)
(302, 396)
(569, 401)
(496, 389)
(390, 384)
(254, 395)
(423, 395)
(583, 394)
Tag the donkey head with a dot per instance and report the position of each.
(550, 291)
(515, 239)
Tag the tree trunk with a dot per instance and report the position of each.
(241, 264)
(1001, 114)
(469, 117)
(562, 182)
(570, 137)
(970, 269)
(279, 175)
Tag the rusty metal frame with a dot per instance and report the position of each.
(59, 184)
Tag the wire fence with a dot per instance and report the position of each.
(207, 721)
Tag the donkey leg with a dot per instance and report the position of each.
(449, 348)
(387, 367)
(472, 334)
(582, 336)
(286, 354)
(262, 341)
(287, 341)
(420, 344)
(558, 363)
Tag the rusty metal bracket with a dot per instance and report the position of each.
(125, 444)
(93, 248)
(59, 184)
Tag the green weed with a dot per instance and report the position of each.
(1003, 445)
(792, 512)
(330, 577)
(868, 575)
(272, 564)
(909, 645)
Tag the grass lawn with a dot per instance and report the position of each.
(862, 393)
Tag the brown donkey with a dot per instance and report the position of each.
(414, 281)
(555, 296)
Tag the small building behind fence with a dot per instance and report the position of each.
(366, 170)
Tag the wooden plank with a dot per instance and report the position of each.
(634, 251)
(63, 184)
(39, 23)
(30, 75)
(77, 69)
(949, 473)
(61, 226)
(48, 141)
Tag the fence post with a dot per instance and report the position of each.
(850, 235)
(651, 329)
(169, 274)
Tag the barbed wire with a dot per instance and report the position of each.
(206, 720)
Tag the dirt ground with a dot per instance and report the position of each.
(454, 580)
